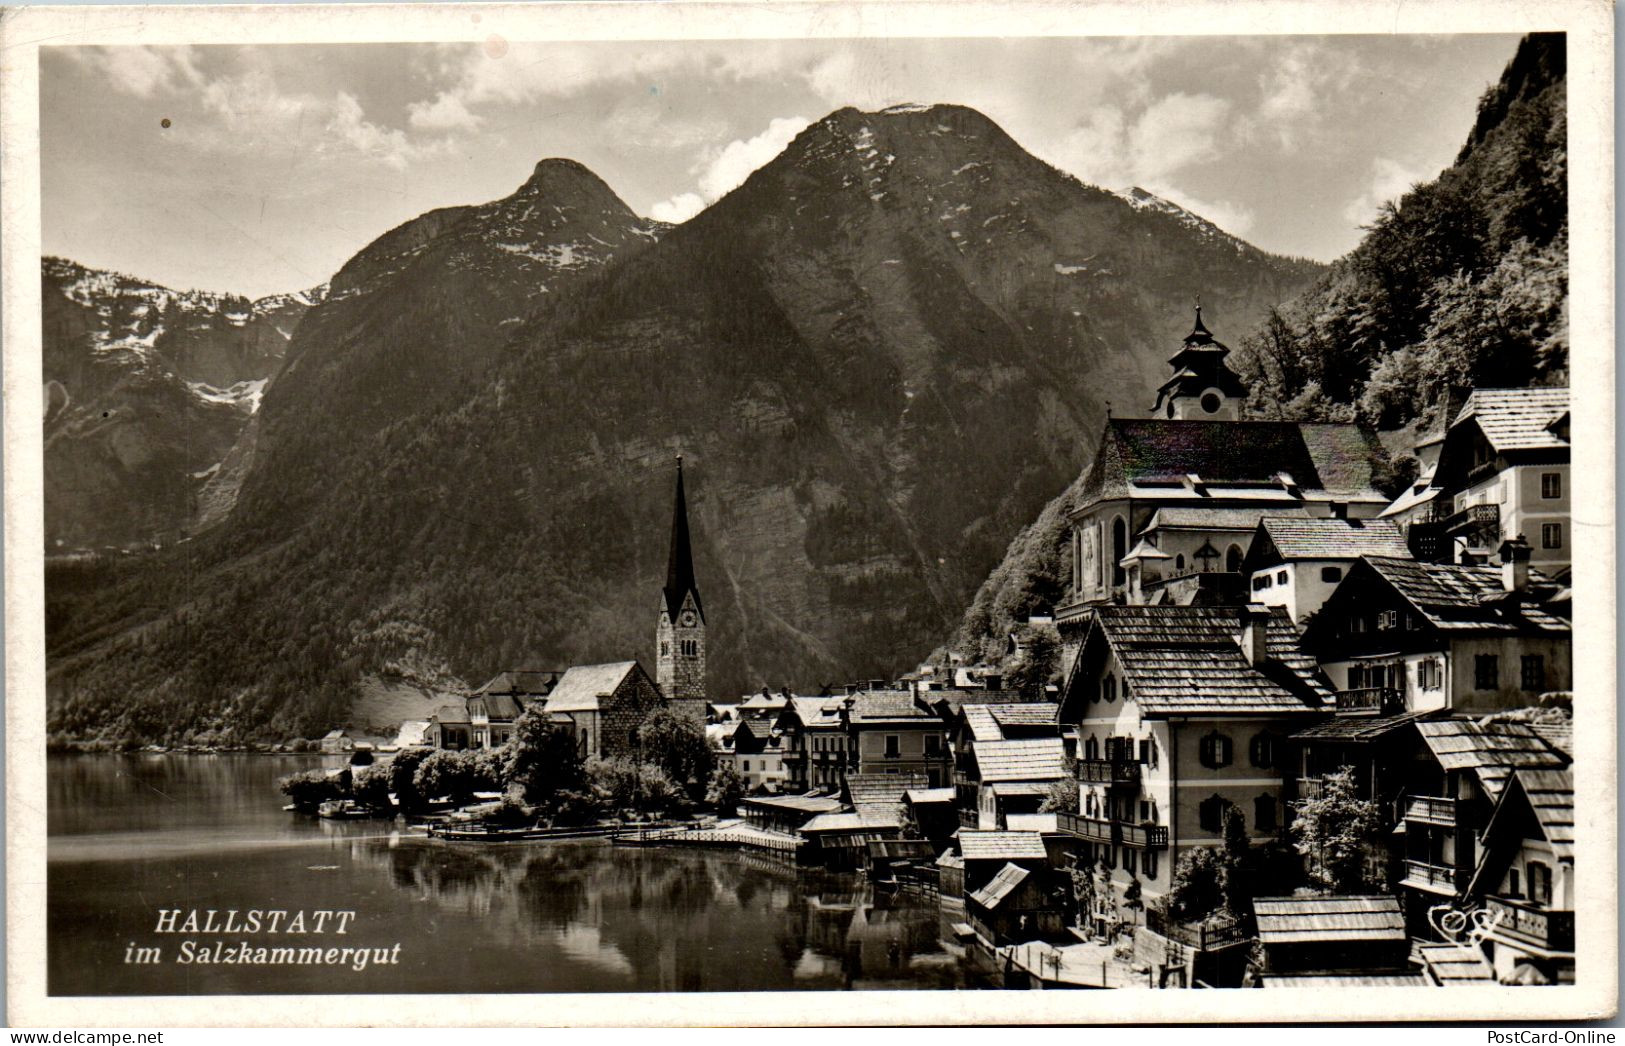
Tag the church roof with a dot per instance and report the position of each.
(680, 564)
(579, 689)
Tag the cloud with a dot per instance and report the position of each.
(445, 113)
(720, 171)
(1389, 180)
(1295, 93)
(143, 71)
(1234, 219)
(1169, 135)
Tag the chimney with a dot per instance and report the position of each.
(1255, 619)
(1515, 564)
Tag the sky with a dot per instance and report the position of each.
(262, 169)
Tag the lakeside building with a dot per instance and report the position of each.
(680, 637)
(988, 724)
(603, 706)
(889, 733)
(1181, 713)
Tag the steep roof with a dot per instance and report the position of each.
(1303, 537)
(579, 689)
(1325, 458)
(1491, 752)
(1517, 419)
(680, 562)
(1551, 797)
(884, 706)
(1027, 759)
(501, 707)
(1007, 846)
(867, 789)
(981, 724)
(1031, 714)
(449, 715)
(1001, 886)
(1455, 597)
(1300, 920)
(521, 682)
(1187, 660)
(1179, 517)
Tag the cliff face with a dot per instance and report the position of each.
(880, 356)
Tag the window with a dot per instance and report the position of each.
(1264, 813)
(1108, 688)
(1109, 855)
(1150, 864)
(933, 744)
(1281, 577)
(1210, 813)
(1232, 559)
(1387, 619)
(1260, 582)
(1486, 672)
(1262, 750)
(1128, 861)
(892, 746)
(1091, 805)
(1357, 624)
(1430, 674)
(1551, 485)
(1211, 402)
(1513, 889)
(1533, 675)
(665, 648)
(1215, 750)
(744, 767)
(1179, 562)
(1091, 748)
(1145, 752)
(1551, 535)
(1119, 549)
(1540, 882)
(1331, 574)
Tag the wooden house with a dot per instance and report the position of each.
(1525, 879)
(785, 813)
(1013, 906)
(1332, 936)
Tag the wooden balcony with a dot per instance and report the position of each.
(1436, 878)
(1371, 700)
(1473, 518)
(1117, 772)
(1114, 833)
(1432, 809)
(1520, 922)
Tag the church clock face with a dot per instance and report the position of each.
(688, 619)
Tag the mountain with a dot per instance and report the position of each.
(147, 389)
(879, 356)
(1461, 281)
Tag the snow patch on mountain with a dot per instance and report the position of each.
(244, 395)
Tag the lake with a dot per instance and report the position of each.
(131, 836)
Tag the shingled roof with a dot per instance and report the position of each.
(1467, 598)
(1551, 797)
(1301, 920)
(579, 689)
(885, 706)
(1187, 660)
(1001, 886)
(886, 789)
(864, 818)
(1360, 729)
(521, 683)
(1491, 752)
(1326, 458)
(1517, 419)
(1034, 714)
(1002, 846)
(1303, 537)
(1027, 759)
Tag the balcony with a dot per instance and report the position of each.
(1474, 518)
(1117, 772)
(1519, 922)
(1372, 700)
(1431, 809)
(1114, 833)
(1436, 878)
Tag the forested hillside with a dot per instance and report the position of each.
(1462, 282)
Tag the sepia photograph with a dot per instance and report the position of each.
(527, 513)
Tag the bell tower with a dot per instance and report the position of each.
(680, 632)
(1203, 387)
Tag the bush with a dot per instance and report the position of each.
(676, 743)
(403, 771)
(542, 760)
(623, 784)
(447, 775)
(726, 787)
(308, 789)
(371, 785)
(512, 814)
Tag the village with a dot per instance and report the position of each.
(1285, 732)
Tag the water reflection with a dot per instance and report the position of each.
(472, 917)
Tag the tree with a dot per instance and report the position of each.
(676, 743)
(726, 787)
(1197, 888)
(1031, 670)
(446, 775)
(626, 784)
(310, 788)
(403, 771)
(1236, 865)
(1062, 797)
(371, 785)
(1133, 894)
(542, 759)
(1335, 833)
(1083, 893)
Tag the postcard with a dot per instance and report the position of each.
(657, 513)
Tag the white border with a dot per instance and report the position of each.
(1590, 79)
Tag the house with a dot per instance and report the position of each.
(1012, 907)
(414, 733)
(1504, 471)
(931, 813)
(1439, 636)
(840, 840)
(523, 685)
(986, 852)
(1334, 940)
(880, 790)
(1016, 776)
(1298, 561)
(1200, 458)
(815, 748)
(758, 751)
(973, 724)
(888, 733)
(1448, 802)
(1181, 713)
(603, 705)
(337, 741)
(785, 813)
(1525, 877)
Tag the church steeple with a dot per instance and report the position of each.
(680, 562)
(680, 630)
(1203, 387)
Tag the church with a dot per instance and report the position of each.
(1170, 502)
(680, 627)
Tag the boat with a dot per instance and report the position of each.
(345, 810)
